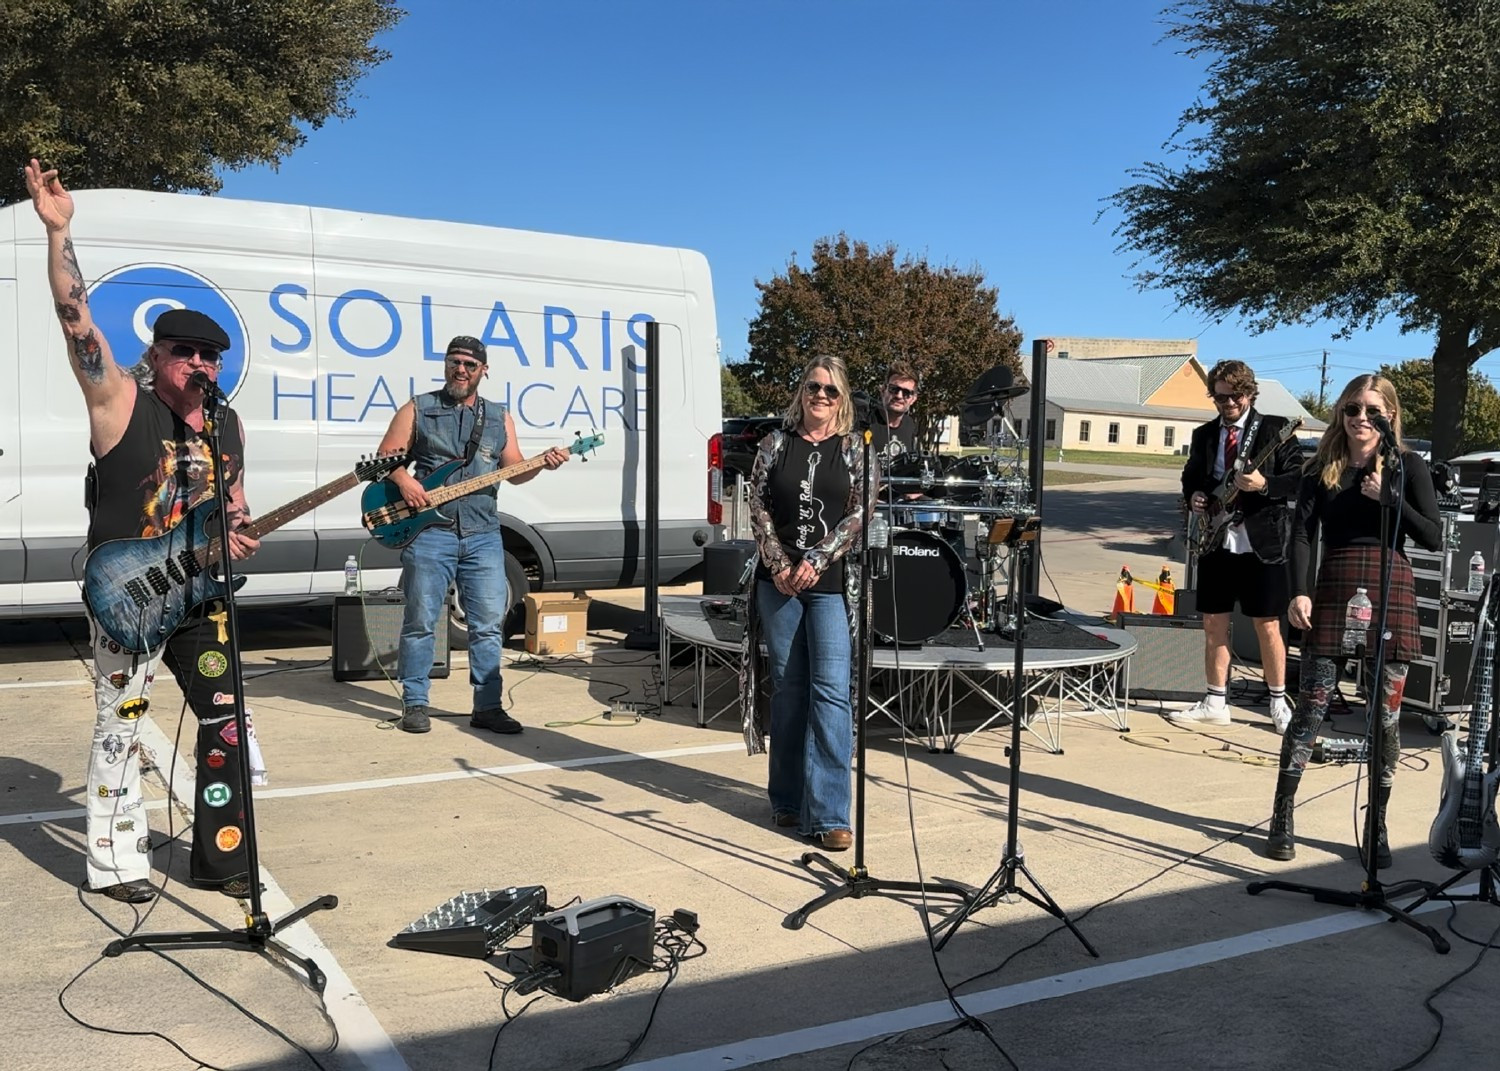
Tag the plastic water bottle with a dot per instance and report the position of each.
(351, 576)
(1357, 617)
(1476, 573)
(880, 532)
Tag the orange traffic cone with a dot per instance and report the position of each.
(1166, 597)
(1124, 592)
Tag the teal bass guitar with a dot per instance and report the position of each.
(394, 524)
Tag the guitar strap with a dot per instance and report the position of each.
(473, 447)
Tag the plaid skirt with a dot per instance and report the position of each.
(1343, 571)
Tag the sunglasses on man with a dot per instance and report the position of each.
(183, 351)
(459, 363)
(901, 392)
(1224, 399)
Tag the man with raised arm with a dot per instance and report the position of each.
(152, 463)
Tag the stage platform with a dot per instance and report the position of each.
(1073, 664)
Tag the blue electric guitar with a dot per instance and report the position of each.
(139, 590)
(394, 524)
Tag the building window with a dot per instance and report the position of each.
(1051, 430)
(1083, 431)
(1114, 433)
(1169, 436)
(1140, 435)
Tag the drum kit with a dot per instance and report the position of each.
(939, 508)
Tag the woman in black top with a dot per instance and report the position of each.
(1346, 489)
(805, 515)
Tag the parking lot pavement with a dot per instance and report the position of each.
(1145, 839)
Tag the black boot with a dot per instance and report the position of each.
(1382, 842)
(1280, 842)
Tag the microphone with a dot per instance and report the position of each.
(1382, 425)
(210, 389)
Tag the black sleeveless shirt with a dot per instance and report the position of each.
(157, 471)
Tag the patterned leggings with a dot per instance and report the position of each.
(1318, 679)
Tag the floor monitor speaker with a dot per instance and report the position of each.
(367, 635)
(724, 564)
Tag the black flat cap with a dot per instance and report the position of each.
(188, 325)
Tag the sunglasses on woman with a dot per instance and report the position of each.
(1354, 409)
(828, 390)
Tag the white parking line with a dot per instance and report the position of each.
(867, 1028)
(358, 1030)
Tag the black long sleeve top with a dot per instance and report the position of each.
(1347, 517)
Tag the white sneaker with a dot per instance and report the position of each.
(1200, 713)
(1281, 715)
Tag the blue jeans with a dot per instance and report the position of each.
(430, 564)
(812, 721)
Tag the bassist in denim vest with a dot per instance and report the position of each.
(435, 428)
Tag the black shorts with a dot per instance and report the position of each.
(1225, 579)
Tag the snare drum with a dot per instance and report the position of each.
(925, 591)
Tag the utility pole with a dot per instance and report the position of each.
(1323, 382)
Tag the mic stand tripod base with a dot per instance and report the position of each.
(257, 936)
(858, 883)
(1370, 897)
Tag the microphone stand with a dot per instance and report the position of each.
(1372, 895)
(258, 932)
(1001, 885)
(855, 880)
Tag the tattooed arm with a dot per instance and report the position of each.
(108, 391)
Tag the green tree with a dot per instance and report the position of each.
(1342, 161)
(1309, 401)
(1413, 383)
(863, 305)
(737, 400)
(159, 94)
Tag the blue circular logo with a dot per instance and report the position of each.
(126, 303)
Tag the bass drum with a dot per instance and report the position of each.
(924, 593)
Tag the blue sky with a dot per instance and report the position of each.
(979, 134)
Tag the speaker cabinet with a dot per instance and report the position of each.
(1168, 660)
(724, 564)
(367, 635)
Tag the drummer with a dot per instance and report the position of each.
(898, 435)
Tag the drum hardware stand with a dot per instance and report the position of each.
(258, 934)
(1020, 533)
(1372, 894)
(855, 880)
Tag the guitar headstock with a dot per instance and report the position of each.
(380, 466)
(583, 446)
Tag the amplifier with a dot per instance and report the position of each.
(474, 924)
(1168, 660)
(593, 946)
(367, 634)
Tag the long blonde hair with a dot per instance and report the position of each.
(1333, 450)
(843, 417)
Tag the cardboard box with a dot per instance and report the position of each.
(557, 623)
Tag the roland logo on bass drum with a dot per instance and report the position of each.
(906, 551)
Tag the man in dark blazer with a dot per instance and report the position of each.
(1250, 567)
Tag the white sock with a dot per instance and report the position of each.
(1216, 699)
(1277, 693)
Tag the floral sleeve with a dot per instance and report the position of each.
(837, 542)
(762, 527)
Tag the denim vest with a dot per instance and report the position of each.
(441, 433)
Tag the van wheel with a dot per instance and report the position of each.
(514, 621)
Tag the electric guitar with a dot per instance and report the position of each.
(139, 590)
(1465, 834)
(394, 524)
(1207, 531)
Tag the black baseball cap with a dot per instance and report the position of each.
(468, 344)
(188, 325)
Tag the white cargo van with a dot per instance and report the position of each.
(337, 318)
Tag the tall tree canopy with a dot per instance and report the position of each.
(1413, 383)
(1343, 161)
(157, 94)
(862, 305)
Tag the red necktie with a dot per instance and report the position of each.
(1231, 447)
